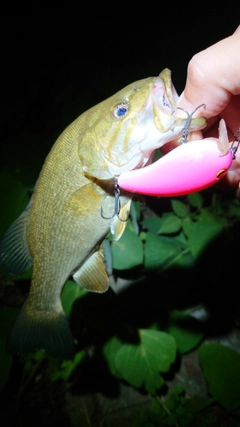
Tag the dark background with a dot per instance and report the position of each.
(59, 60)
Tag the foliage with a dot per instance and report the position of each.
(177, 238)
(176, 410)
(140, 363)
(221, 366)
(185, 329)
(140, 334)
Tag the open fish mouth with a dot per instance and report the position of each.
(160, 107)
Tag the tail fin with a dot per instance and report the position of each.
(41, 330)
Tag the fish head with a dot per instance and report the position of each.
(122, 132)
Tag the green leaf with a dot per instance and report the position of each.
(158, 250)
(67, 367)
(201, 233)
(157, 408)
(221, 366)
(171, 224)
(179, 208)
(110, 350)
(70, 293)
(195, 200)
(127, 251)
(141, 364)
(32, 360)
(185, 329)
(153, 224)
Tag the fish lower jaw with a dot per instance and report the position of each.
(135, 162)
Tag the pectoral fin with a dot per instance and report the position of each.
(15, 256)
(92, 274)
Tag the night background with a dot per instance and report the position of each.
(56, 62)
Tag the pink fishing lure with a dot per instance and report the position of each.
(188, 168)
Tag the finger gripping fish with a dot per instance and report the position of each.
(70, 212)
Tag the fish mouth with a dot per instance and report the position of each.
(159, 112)
(164, 100)
(161, 124)
(160, 115)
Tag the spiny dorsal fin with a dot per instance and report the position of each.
(15, 256)
(92, 274)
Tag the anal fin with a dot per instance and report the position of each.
(92, 274)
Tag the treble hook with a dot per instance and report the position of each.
(117, 204)
(185, 129)
(234, 149)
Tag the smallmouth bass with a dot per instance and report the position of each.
(61, 230)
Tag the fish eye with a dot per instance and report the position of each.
(120, 110)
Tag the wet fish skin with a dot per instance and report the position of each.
(61, 230)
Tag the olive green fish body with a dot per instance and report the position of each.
(62, 228)
(65, 228)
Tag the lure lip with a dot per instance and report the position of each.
(187, 169)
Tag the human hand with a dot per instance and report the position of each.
(213, 78)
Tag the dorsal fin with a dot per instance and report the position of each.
(15, 256)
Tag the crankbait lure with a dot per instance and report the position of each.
(187, 169)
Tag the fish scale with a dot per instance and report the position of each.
(61, 231)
